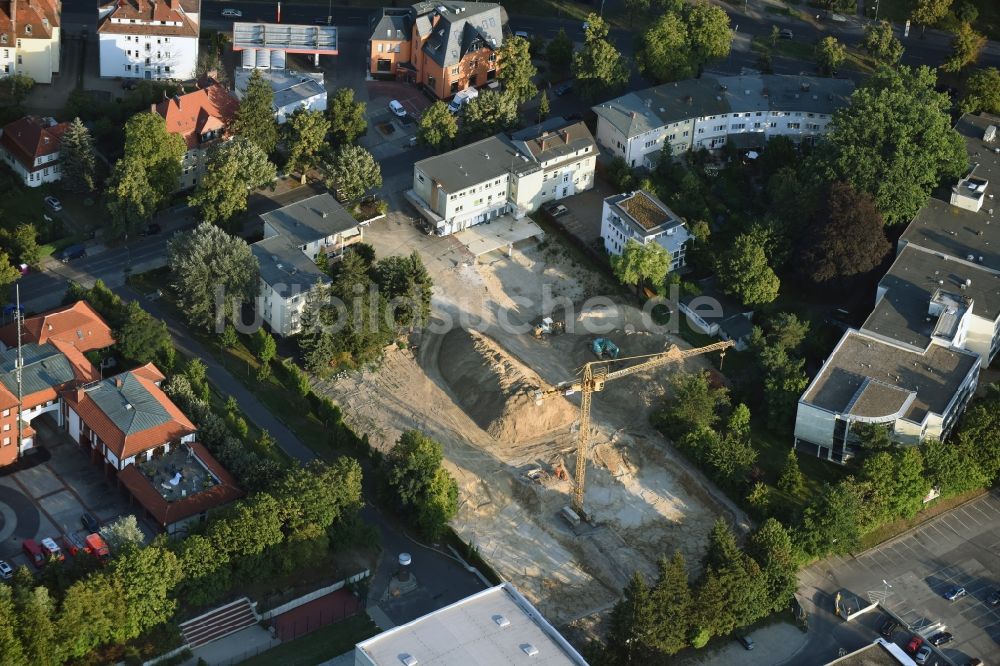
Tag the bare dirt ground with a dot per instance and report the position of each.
(468, 391)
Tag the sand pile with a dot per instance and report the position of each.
(495, 390)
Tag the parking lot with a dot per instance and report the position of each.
(48, 498)
(958, 548)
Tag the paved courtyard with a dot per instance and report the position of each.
(958, 548)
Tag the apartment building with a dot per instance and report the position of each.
(504, 175)
(294, 238)
(30, 37)
(30, 147)
(674, 118)
(641, 217)
(202, 118)
(914, 364)
(444, 46)
(146, 39)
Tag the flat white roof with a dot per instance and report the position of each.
(495, 627)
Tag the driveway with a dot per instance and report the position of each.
(958, 548)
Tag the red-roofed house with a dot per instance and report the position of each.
(202, 118)
(149, 39)
(29, 38)
(30, 146)
(77, 324)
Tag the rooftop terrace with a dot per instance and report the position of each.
(177, 474)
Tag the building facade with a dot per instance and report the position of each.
(292, 90)
(30, 147)
(146, 39)
(641, 217)
(504, 175)
(445, 47)
(914, 364)
(202, 118)
(674, 118)
(30, 37)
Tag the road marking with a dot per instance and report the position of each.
(977, 521)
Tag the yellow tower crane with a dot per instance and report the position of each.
(595, 375)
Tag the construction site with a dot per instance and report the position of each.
(503, 396)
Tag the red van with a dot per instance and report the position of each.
(34, 553)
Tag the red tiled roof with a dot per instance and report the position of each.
(28, 19)
(201, 111)
(125, 445)
(172, 11)
(150, 372)
(77, 324)
(29, 138)
(166, 513)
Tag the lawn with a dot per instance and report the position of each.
(320, 645)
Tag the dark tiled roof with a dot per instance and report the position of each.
(471, 164)
(311, 219)
(463, 27)
(285, 267)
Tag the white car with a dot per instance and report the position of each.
(53, 203)
(232, 13)
(397, 108)
(6, 571)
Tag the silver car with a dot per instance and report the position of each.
(6, 571)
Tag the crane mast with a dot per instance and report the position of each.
(595, 375)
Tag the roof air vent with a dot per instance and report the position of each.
(409, 660)
(501, 621)
(529, 649)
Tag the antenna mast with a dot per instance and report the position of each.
(17, 369)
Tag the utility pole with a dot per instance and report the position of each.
(17, 368)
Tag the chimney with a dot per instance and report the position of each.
(279, 13)
(118, 382)
(79, 393)
(565, 136)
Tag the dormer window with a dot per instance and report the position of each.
(27, 29)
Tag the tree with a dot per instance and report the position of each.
(128, 205)
(600, 70)
(723, 551)
(979, 432)
(894, 141)
(734, 454)
(791, 480)
(208, 264)
(952, 467)
(353, 173)
(347, 117)
(11, 650)
(22, 244)
(77, 158)
(18, 86)
(693, 406)
(881, 43)
(639, 263)
(265, 348)
(148, 577)
(559, 52)
(516, 71)
(966, 45)
(630, 625)
(634, 7)
(255, 119)
(305, 137)
(488, 113)
(848, 238)
(664, 52)
(830, 55)
(744, 272)
(36, 628)
(406, 284)
(784, 381)
(929, 12)
(787, 331)
(543, 107)
(123, 534)
(437, 127)
(234, 169)
(418, 482)
(772, 548)
(831, 523)
(672, 603)
(709, 33)
(143, 339)
(982, 92)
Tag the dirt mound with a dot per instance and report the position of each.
(495, 390)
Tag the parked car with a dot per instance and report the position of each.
(889, 628)
(322, 21)
(73, 544)
(914, 644)
(923, 654)
(34, 552)
(90, 523)
(563, 89)
(232, 13)
(745, 641)
(6, 571)
(52, 549)
(556, 210)
(397, 108)
(53, 203)
(522, 34)
(955, 593)
(942, 638)
(786, 34)
(994, 598)
(72, 252)
(151, 229)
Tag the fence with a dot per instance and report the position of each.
(312, 596)
(298, 623)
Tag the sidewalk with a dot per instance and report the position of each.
(234, 648)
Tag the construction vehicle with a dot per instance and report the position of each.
(549, 327)
(604, 348)
(598, 373)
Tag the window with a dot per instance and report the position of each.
(381, 47)
(6, 412)
(20, 59)
(128, 68)
(6, 441)
(738, 126)
(6, 427)
(420, 177)
(454, 71)
(794, 125)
